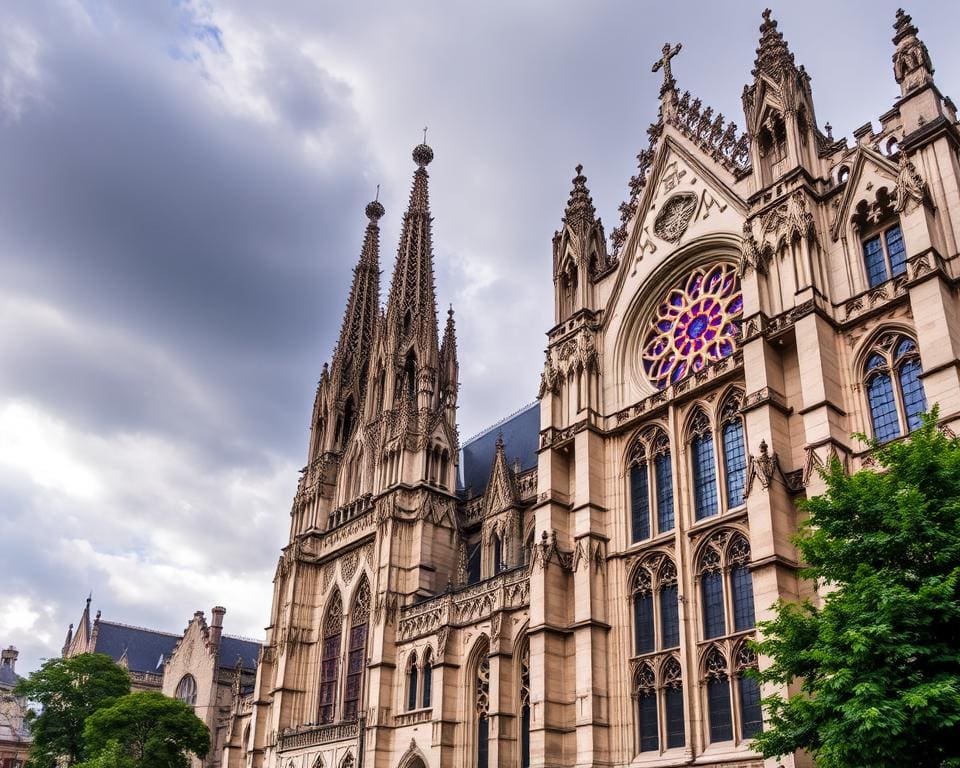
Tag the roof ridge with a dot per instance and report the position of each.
(500, 423)
(244, 639)
(142, 629)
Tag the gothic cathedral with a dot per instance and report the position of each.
(576, 586)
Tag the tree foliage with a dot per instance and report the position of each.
(878, 663)
(69, 691)
(145, 730)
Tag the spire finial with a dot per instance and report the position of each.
(424, 134)
(375, 209)
(664, 63)
(422, 153)
(773, 55)
(912, 66)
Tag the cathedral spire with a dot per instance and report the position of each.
(773, 54)
(579, 213)
(912, 66)
(449, 365)
(411, 313)
(360, 316)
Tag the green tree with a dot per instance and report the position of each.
(152, 731)
(878, 664)
(69, 691)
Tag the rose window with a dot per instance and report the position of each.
(697, 322)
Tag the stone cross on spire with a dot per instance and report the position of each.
(664, 63)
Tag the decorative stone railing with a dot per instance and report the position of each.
(348, 512)
(527, 484)
(314, 735)
(505, 591)
(412, 718)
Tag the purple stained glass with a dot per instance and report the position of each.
(698, 323)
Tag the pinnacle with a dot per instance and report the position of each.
(773, 54)
(580, 205)
(903, 26)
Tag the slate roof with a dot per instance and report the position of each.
(521, 438)
(8, 678)
(247, 650)
(146, 648)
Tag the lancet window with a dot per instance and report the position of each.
(524, 704)
(659, 705)
(412, 681)
(187, 690)
(656, 618)
(726, 585)
(707, 472)
(732, 708)
(651, 485)
(482, 708)
(330, 658)
(884, 251)
(356, 651)
(894, 390)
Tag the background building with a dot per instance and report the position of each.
(766, 294)
(210, 671)
(14, 734)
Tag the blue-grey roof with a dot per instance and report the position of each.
(146, 648)
(232, 647)
(8, 678)
(521, 438)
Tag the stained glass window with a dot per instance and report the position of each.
(712, 590)
(697, 322)
(874, 261)
(356, 652)
(483, 709)
(643, 611)
(742, 583)
(639, 502)
(751, 714)
(427, 683)
(412, 683)
(718, 703)
(704, 477)
(663, 472)
(914, 399)
(669, 616)
(329, 658)
(883, 409)
(734, 461)
(896, 250)
(649, 728)
(673, 681)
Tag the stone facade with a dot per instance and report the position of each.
(15, 736)
(767, 294)
(212, 672)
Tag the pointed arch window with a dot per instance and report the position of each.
(741, 584)
(673, 703)
(734, 450)
(412, 681)
(704, 467)
(646, 694)
(885, 255)
(482, 708)
(655, 605)
(893, 386)
(525, 704)
(711, 589)
(357, 651)
(330, 658)
(718, 697)
(426, 684)
(751, 713)
(651, 482)
(187, 690)
(724, 566)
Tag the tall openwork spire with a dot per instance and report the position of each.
(449, 365)
(411, 306)
(579, 214)
(773, 54)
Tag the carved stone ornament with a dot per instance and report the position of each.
(674, 217)
(911, 188)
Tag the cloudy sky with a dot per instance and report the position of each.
(181, 201)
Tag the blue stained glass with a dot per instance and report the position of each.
(639, 503)
(905, 345)
(711, 587)
(914, 398)
(697, 326)
(643, 618)
(718, 705)
(883, 409)
(669, 617)
(896, 250)
(704, 477)
(675, 720)
(742, 582)
(875, 361)
(873, 258)
(412, 687)
(751, 714)
(663, 471)
(649, 727)
(735, 462)
(427, 684)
